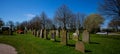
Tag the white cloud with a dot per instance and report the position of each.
(30, 15)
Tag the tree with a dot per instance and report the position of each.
(48, 24)
(72, 22)
(111, 8)
(35, 23)
(11, 24)
(80, 17)
(93, 21)
(1, 22)
(63, 14)
(43, 17)
(114, 24)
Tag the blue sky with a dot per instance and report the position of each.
(22, 10)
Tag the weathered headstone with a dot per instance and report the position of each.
(38, 33)
(85, 36)
(53, 37)
(77, 31)
(75, 37)
(35, 33)
(57, 33)
(64, 37)
(41, 33)
(68, 35)
(45, 34)
(80, 46)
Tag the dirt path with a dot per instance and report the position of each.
(7, 49)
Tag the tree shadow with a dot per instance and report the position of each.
(57, 41)
(71, 45)
(87, 51)
(94, 43)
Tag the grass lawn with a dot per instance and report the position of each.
(28, 44)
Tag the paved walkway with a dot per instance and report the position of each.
(7, 49)
(113, 34)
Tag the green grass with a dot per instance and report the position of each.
(28, 44)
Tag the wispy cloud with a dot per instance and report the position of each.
(30, 15)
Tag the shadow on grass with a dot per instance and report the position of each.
(94, 43)
(57, 41)
(87, 51)
(71, 45)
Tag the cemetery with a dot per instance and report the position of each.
(51, 27)
(57, 45)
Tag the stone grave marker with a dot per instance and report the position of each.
(45, 34)
(85, 36)
(78, 33)
(68, 35)
(64, 37)
(41, 33)
(80, 46)
(38, 33)
(35, 33)
(53, 37)
(75, 37)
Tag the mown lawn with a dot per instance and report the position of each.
(28, 44)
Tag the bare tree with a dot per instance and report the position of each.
(72, 22)
(35, 23)
(63, 14)
(1, 22)
(44, 18)
(110, 8)
(11, 24)
(114, 24)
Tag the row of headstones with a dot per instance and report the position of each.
(44, 34)
(63, 34)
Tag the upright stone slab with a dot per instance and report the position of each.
(75, 37)
(85, 36)
(41, 33)
(45, 34)
(64, 37)
(38, 32)
(78, 33)
(35, 33)
(68, 35)
(57, 33)
(80, 46)
(53, 37)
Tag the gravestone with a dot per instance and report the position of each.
(38, 33)
(75, 37)
(53, 37)
(57, 33)
(68, 35)
(80, 46)
(45, 34)
(35, 33)
(85, 36)
(41, 33)
(64, 37)
(78, 33)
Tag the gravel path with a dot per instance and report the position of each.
(7, 49)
